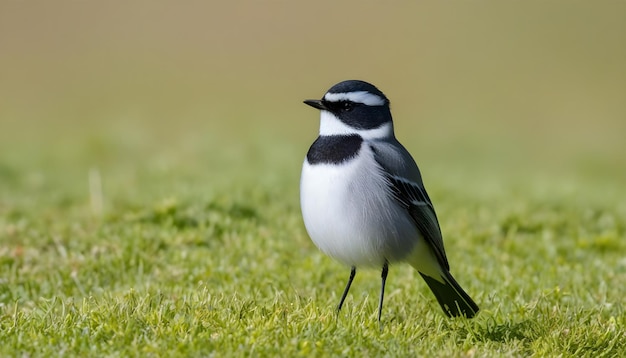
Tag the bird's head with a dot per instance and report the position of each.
(354, 106)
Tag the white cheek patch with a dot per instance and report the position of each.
(331, 125)
(364, 97)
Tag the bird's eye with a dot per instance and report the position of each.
(339, 106)
(347, 105)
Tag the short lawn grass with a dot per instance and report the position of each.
(170, 251)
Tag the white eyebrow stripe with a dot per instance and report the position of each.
(364, 97)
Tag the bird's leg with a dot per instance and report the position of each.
(345, 291)
(383, 275)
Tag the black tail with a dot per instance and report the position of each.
(454, 301)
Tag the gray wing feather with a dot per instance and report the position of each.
(405, 184)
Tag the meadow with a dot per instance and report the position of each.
(150, 160)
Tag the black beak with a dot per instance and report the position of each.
(315, 103)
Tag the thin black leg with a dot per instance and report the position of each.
(383, 275)
(345, 292)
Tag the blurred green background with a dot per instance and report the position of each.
(205, 94)
(186, 120)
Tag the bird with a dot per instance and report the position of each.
(363, 200)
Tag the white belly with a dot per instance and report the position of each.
(349, 215)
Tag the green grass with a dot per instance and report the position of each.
(190, 255)
(149, 178)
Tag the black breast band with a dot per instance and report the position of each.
(334, 149)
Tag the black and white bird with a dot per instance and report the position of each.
(363, 200)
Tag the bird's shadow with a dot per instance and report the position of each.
(507, 331)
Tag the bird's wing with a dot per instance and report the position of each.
(405, 184)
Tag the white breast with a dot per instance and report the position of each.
(349, 214)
